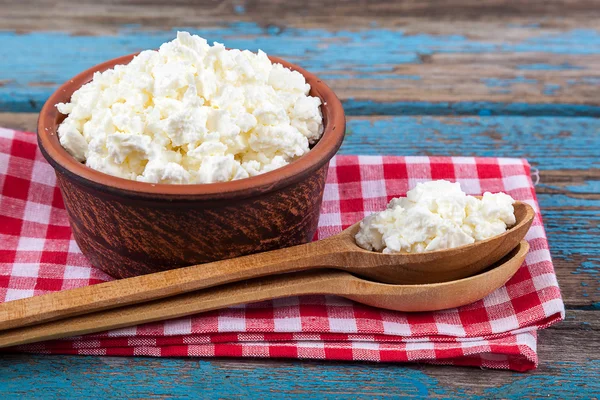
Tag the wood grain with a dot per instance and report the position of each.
(428, 53)
(569, 363)
(559, 147)
(105, 17)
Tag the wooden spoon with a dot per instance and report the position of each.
(430, 297)
(338, 252)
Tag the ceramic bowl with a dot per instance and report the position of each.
(129, 228)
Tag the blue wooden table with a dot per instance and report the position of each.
(429, 77)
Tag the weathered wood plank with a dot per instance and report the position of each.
(105, 16)
(462, 68)
(20, 121)
(550, 143)
(569, 198)
(568, 366)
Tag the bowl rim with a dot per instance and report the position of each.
(333, 134)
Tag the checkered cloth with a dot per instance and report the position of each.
(38, 255)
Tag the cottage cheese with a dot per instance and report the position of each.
(435, 215)
(191, 113)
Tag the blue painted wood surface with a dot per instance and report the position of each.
(543, 140)
(533, 93)
(115, 378)
(367, 67)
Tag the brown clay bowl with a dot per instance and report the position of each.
(129, 228)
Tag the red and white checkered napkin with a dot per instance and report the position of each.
(38, 255)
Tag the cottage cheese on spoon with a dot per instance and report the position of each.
(433, 216)
(191, 113)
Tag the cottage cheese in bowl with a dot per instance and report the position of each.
(436, 215)
(191, 113)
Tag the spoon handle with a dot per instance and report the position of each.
(58, 305)
(322, 282)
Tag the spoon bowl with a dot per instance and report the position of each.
(432, 266)
(431, 297)
(438, 296)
